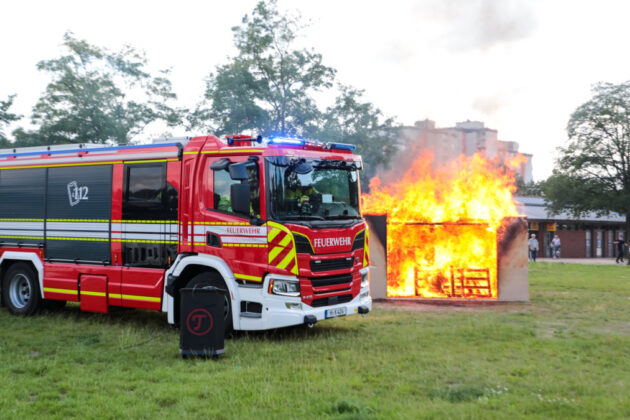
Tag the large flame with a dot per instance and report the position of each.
(442, 226)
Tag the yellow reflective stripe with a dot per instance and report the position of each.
(66, 291)
(278, 226)
(247, 277)
(83, 292)
(244, 245)
(58, 165)
(151, 161)
(61, 238)
(134, 297)
(285, 241)
(233, 151)
(366, 248)
(274, 253)
(283, 264)
(355, 236)
(190, 153)
(142, 241)
(21, 237)
(272, 234)
(292, 255)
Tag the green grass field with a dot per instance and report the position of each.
(564, 355)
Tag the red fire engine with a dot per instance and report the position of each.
(274, 223)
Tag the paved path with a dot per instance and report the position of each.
(600, 261)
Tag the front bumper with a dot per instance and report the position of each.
(280, 311)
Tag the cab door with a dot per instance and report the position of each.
(239, 239)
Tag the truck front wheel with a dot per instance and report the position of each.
(21, 294)
(214, 279)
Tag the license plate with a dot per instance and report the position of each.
(333, 313)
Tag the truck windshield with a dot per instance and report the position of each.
(313, 189)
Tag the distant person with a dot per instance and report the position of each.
(533, 247)
(555, 247)
(621, 245)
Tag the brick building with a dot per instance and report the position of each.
(590, 236)
(465, 138)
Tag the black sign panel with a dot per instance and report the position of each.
(22, 193)
(80, 192)
(79, 201)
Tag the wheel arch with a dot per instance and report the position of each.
(10, 257)
(185, 268)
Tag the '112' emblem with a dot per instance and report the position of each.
(76, 193)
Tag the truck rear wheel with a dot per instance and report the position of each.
(213, 279)
(20, 290)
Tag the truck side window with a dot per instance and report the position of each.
(222, 182)
(145, 192)
(221, 189)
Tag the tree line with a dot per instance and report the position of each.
(268, 87)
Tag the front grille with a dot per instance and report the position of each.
(333, 300)
(329, 265)
(331, 280)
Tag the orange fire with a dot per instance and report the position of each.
(442, 227)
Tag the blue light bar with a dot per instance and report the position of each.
(342, 146)
(287, 141)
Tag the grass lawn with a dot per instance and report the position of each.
(565, 354)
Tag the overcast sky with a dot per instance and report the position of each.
(521, 67)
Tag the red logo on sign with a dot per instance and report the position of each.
(199, 322)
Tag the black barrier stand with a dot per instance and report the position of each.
(202, 326)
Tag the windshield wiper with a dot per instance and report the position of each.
(302, 217)
(342, 217)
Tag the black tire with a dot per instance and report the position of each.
(214, 279)
(20, 290)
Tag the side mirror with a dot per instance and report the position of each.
(238, 171)
(239, 195)
(220, 164)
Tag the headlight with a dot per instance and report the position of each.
(284, 287)
(365, 279)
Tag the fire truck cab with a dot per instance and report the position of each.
(275, 223)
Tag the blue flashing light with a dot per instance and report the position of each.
(286, 141)
(342, 146)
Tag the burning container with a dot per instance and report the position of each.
(433, 268)
(451, 232)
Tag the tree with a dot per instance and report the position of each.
(6, 118)
(268, 86)
(352, 120)
(593, 170)
(98, 96)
